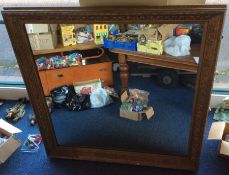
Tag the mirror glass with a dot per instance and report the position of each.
(127, 87)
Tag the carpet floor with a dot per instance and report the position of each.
(167, 131)
(21, 163)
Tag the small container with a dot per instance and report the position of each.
(132, 45)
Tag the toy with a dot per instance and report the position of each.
(68, 35)
(153, 47)
(135, 105)
(32, 120)
(100, 31)
(55, 62)
(16, 112)
(223, 107)
(84, 37)
(121, 41)
(74, 59)
(222, 111)
(180, 30)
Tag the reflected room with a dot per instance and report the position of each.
(119, 86)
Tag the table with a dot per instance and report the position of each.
(185, 63)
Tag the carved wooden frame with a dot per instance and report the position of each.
(212, 17)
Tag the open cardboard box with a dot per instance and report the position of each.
(161, 32)
(136, 116)
(220, 131)
(10, 146)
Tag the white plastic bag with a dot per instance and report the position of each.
(100, 98)
(178, 46)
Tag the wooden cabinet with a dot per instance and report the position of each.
(66, 76)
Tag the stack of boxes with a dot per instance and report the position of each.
(154, 38)
(42, 36)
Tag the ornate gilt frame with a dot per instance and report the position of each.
(212, 17)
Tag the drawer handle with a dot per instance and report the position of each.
(60, 75)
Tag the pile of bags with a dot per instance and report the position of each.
(78, 98)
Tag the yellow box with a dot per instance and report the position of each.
(153, 47)
(100, 31)
(67, 34)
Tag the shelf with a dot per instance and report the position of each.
(185, 63)
(60, 48)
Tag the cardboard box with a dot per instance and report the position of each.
(43, 41)
(10, 146)
(67, 34)
(136, 116)
(161, 32)
(220, 131)
(40, 28)
(153, 47)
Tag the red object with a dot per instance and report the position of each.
(182, 31)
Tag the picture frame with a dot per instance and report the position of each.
(210, 16)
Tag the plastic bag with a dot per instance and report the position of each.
(100, 98)
(76, 102)
(59, 95)
(178, 46)
(32, 143)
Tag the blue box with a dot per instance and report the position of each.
(132, 46)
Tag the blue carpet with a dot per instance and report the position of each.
(37, 163)
(167, 131)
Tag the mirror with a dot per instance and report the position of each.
(124, 87)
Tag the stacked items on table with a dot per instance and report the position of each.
(135, 105)
(173, 39)
(151, 37)
(73, 59)
(42, 36)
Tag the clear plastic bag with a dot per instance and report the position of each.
(31, 143)
(178, 46)
(100, 98)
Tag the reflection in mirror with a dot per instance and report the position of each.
(116, 86)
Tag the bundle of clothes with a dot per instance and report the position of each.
(55, 62)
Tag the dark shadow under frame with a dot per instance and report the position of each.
(212, 17)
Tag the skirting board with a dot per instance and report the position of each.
(13, 93)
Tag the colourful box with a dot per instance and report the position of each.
(153, 47)
(100, 31)
(67, 35)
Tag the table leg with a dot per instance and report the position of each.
(124, 74)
